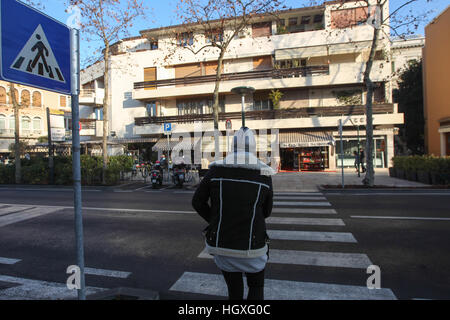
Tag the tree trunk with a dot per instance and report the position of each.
(369, 179)
(18, 164)
(216, 105)
(105, 113)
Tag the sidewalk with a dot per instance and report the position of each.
(310, 181)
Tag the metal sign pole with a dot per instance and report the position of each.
(342, 152)
(76, 165)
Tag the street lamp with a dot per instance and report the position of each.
(243, 91)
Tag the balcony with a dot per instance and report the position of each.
(260, 80)
(269, 114)
(92, 97)
(273, 73)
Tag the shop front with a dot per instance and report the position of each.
(305, 151)
(352, 144)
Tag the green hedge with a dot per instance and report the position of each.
(35, 171)
(423, 163)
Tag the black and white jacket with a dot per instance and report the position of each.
(241, 197)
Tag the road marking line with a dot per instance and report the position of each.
(214, 284)
(123, 191)
(33, 212)
(47, 189)
(304, 210)
(298, 198)
(318, 194)
(313, 258)
(190, 192)
(301, 203)
(311, 236)
(144, 187)
(9, 261)
(13, 209)
(110, 209)
(305, 221)
(396, 194)
(107, 273)
(40, 290)
(401, 218)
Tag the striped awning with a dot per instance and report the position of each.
(297, 139)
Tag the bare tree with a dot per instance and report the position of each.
(107, 21)
(220, 21)
(17, 149)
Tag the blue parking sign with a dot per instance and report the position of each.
(34, 48)
(167, 127)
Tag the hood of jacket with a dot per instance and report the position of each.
(244, 160)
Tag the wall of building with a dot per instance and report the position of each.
(436, 71)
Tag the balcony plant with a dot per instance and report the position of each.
(275, 96)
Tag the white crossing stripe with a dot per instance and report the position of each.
(30, 213)
(107, 273)
(313, 258)
(214, 284)
(401, 218)
(311, 236)
(298, 194)
(9, 260)
(11, 209)
(39, 290)
(298, 198)
(304, 210)
(305, 221)
(301, 203)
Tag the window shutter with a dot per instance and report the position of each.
(150, 75)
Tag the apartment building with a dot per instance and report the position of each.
(32, 115)
(436, 67)
(315, 56)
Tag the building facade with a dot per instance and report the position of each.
(314, 56)
(32, 115)
(436, 67)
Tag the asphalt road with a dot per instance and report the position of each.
(154, 237)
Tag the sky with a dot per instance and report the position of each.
(162, 13)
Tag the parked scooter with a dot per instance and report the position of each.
(156, 175)
(179, 174)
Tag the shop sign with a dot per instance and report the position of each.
(305, 144)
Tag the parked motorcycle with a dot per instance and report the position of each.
(156, 175)
(179, 174)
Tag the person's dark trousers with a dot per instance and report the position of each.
(235, 284)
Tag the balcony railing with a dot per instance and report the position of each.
(270, 114)
(272, 73)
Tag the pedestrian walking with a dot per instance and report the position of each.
(362, 159)
(240, 192)
(356, 155)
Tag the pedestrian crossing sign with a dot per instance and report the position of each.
(35, 48)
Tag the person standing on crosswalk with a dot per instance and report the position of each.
(235, 197)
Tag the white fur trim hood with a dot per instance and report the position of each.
(244, 160)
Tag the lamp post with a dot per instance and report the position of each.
(243, 91)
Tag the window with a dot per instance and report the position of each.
(12, 124)
(293, 63)
(26, 124)
(214, 36)
(25, 98)
(185, 39)
(2, 96)
(198, 106)
(292, 21)
(98, 113)
(36, 124)
(306, 20)
(263, 104)
(154, 45)
(37, 99)
(318, 18)
(262, 29)
(2, 122)
(151, 109)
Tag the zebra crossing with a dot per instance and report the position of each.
(298, 210)
(10, 214)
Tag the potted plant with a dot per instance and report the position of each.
(275, 96)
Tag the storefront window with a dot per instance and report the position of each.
(351, 145)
